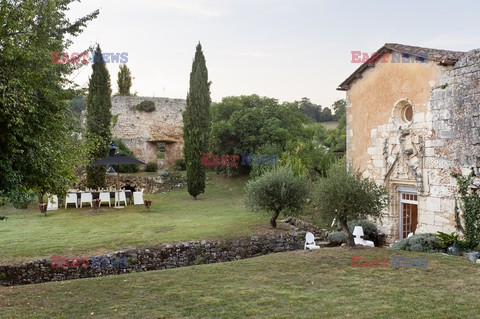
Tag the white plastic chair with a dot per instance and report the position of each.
(310, 242)
(138, 197)
(358, 233)
(86, 198)
(52, 202)
(105, 197)
(123, 198)
(71, 199)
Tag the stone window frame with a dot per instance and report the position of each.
(398, 112)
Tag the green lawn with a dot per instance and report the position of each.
(300, 284)
(174, 216)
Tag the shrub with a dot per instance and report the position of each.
(422, 242)
(336, 237)
(151, 167)
(164, 173)
(123, 149)
(278, 191)
(370, 231)
(145, 106)
(180, 164)
(160, 154)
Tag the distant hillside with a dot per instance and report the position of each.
(330, 125)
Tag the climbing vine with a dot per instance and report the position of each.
(469, 205)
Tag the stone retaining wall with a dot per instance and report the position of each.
(156, 258)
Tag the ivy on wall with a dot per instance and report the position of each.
(469, 205)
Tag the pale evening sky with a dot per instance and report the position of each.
(285, 49)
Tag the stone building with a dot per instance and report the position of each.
(146, 133)
(411, 119)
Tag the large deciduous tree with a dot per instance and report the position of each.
(124, 80)
(38, 150)
(343, 194)
(245, 124)
(99, 117)
(196, 124)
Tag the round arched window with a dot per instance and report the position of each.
(407, 113)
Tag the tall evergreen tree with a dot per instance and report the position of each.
(99, 118)
(124, 80)
(196, 124)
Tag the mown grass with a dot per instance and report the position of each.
(174, 217)
(300, 284)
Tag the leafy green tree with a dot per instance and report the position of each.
(311, 110)
(38, 150)
(277, 191)
(326, 115)
(336, 139)
(196, 124)
(243, 124)
(124, 80)
(99, 117)
(343, 194)
(340, 108)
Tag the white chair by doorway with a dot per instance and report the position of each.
(310, 241)
(138, 197)
(358, 233)
(123, 198)
(105, 197)
(52, 202)
(71, 199)
(86, 198)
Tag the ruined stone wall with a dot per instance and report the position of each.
(155, 258)
(444, 134)
(141, 131)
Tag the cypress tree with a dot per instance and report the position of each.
(196, 124)
(98, 119)
(124, 80)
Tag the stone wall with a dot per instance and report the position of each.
(444, 133)
(156, 258)
(151, 184)
(141, 131)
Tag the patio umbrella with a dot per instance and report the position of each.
(116, 159)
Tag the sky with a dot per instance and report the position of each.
(284, 49)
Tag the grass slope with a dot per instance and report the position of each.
(174, 216)
(300, 284)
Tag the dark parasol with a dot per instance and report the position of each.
(116, 159)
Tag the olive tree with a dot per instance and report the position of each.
(277, 191)
(343, 194)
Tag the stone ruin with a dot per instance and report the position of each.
(144, 133)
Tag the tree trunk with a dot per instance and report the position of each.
(195, 197)
(273, 220)
(40, 198)
(348, 234)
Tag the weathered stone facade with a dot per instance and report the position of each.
(141, 131)
(414, 159)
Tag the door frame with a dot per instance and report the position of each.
(405, 190)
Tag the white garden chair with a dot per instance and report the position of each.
(310, 242)
(86, 198)
(105, 197)
(358, 233)
(52, 202)
(71, 199)
(138, 197)
(122, 198)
